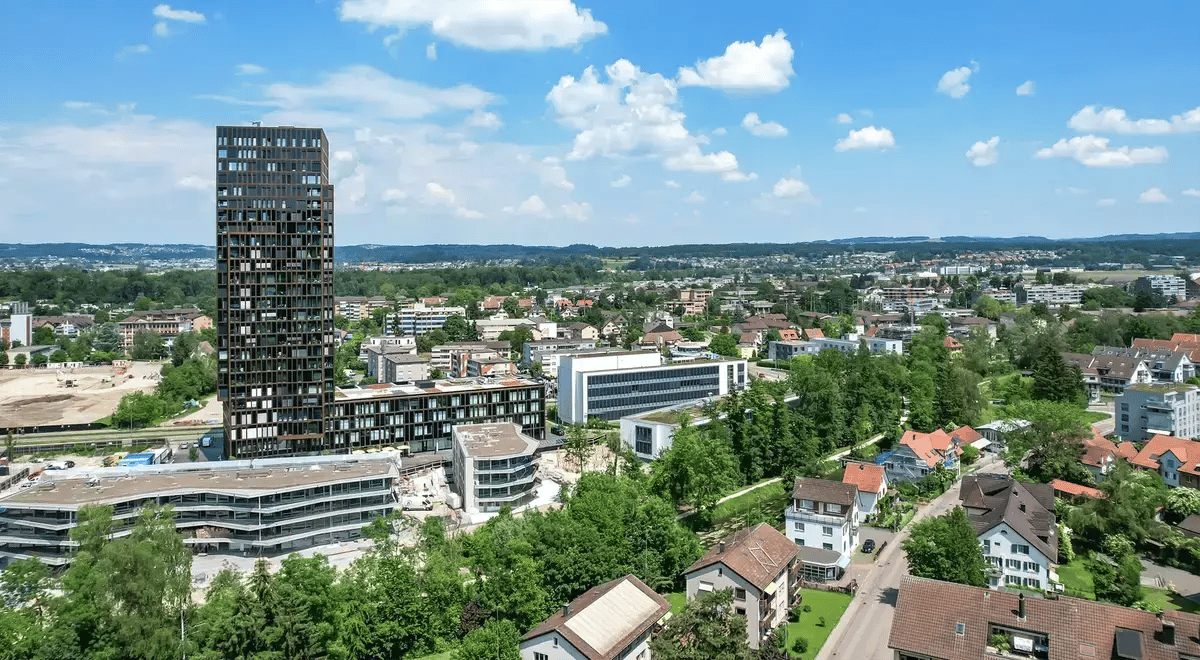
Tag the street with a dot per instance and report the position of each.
(862, 633)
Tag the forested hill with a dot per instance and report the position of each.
(1119, 247)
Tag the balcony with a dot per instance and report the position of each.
(809, 515)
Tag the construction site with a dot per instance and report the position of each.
(70, 396)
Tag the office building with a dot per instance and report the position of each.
(493, 466)
(275, 334)
(257, 506)
(1167, 286)
(547, 351)
(19, 327)
(610, 386)
(1147, 410)
(419, 416)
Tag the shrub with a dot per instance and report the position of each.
(800, 645)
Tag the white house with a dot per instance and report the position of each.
(823, 519)
(613, 620)
(1017, 528)
(871, 481)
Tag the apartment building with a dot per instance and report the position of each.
(275, 333)
(420, 416)
(1146, 410)
(611, 385)
(822, 519)
(386, 364)
(547, 351)
(1165, 365)
(760, 565)
(271, 506)
(1053, 294)
(493, 466)
(166, 322)
(419, 318)
(357, 308)
(937, 620)
(387, 344)
(613, 620)
(1017, 528)
(786, 350)
(443, 356)
(1109, 374)
(489, 367)
(1167, 286)
(694, 301)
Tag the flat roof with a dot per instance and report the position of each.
(122, 486)
(444, 386)
(489, 440)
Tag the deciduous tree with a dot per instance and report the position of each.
(946, 548)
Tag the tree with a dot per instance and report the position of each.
(970, 454)
(101, 317)
(108, 339)
(988, 307)
(696, 470)
(457, 328)
(147, 345)
(1052, 445)
(520, 336)
(59, 356)
(1054, 379)
(436, 373)
(20, 361)
(724, 343)
(946, 548)
(578, 446)
(708, 628)
(10, 447)
(44, 336)
(1183, 502)
(138, 409)
(23, 581)
(184, 346)
(497, 639)
(3, 358)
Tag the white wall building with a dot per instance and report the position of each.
(1146, 410)
(823, 517)
(493, 466)
(1016, 527)
(613, 620)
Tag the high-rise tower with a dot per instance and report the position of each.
(274, 288)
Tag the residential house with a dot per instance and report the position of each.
(1100, 454)
(660, 337)
(1190, 526)
(1109, 373)
(1176, 459)
(1071, 491)
(759, 564)
(814, 333)
(66, 326)
(937, 620)
(1016, 527)
(611, 621)
(998, 432)
(1180, 341)
(917, 454)
(789, 334)
(1146, 410)
(1165, 365)
(822, 519)
(613, 327)
(443, 355)
(952, 345)
(871, 481)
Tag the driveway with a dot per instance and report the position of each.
(862, 633)
(1187, 584)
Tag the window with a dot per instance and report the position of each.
(1033, 582)
(827, 546)
(1012, 579)
(1021, 549)
(797, 527)
(739, 593)
(642, 443)
(987, 547)
(799, 541)
(1013, 564)
(740, 610)
(827, 531)
(540, 656)
(994, 561)
(960, 629)
(1032, 566)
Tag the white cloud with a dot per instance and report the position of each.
(745, 67)
(695, 198)
(622, 181)
(756, 126)
(954, 83)
(534, 205)
(1114, 120)
(507, 25)
(1192, 192)
(1094, 151)
(1153, 196)
(135, 49)
(791, 188)
(866, 138)
(577, 211)
(739, 176)
(431, 51)
(483, 119)
(844, 118)
(439, 195)
(1107, 201)
(249, 70)
(553, 174)
(167, 13)
(634, 113)
(719, 131)
(982, 154)
(161, 29)
(671, 184)
(1027, 88)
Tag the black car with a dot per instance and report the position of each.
(557, 430)
(869, 546)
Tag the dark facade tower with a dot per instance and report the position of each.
(274, 288)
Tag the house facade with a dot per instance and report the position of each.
(1177, 460)
(823, 519)
(613, 620)
(871, 481)
(1017, 529)
(759, 564)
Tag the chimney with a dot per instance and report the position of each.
(1168, 633)
(566, 611)
(721, 547)
(1021, 606)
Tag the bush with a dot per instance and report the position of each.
(800, 645)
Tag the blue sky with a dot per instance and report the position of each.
(614, 122)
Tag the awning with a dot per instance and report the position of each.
(771, 588)
(843, 561)
(982, 443)
(705, 586)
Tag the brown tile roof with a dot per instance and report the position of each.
(1191, 524)
(824, 490)
(1180, 341)
(1097, 447)
(867, 477)
(629, 629)
(966, 435)
(1077, 629)
(1077, 490)
(1187, 451)
(951, 343)
(789, 334)
(814, 333)
(1025, 507)
(758, 554)
(871, 331)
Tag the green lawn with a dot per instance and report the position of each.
(447, 655)
(1092, 416)
(1077, 578)
(764, 502)
(826, 604)
(1169, 601)
(677, 599)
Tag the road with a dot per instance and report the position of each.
(862, 633)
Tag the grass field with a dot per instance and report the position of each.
(1092, 416)
(677, 599)
(826, 604)
(1077, 578)
(447, 655)
(763, 504)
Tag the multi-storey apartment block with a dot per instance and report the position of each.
(1146, 410)
(419, 318)
(493, 466)
(1016, 527)
(274, 221)
(166, 322)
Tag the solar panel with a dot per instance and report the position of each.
(1129, 644)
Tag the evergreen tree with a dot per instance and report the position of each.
(946, 548)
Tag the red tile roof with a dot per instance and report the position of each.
(1077, 490)
(789, 334)
(814, 333)
(1187, 451)
(868, 477)
(758, 554)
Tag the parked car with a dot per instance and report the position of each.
(183, 445)
(869, 546)
(557, 430)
